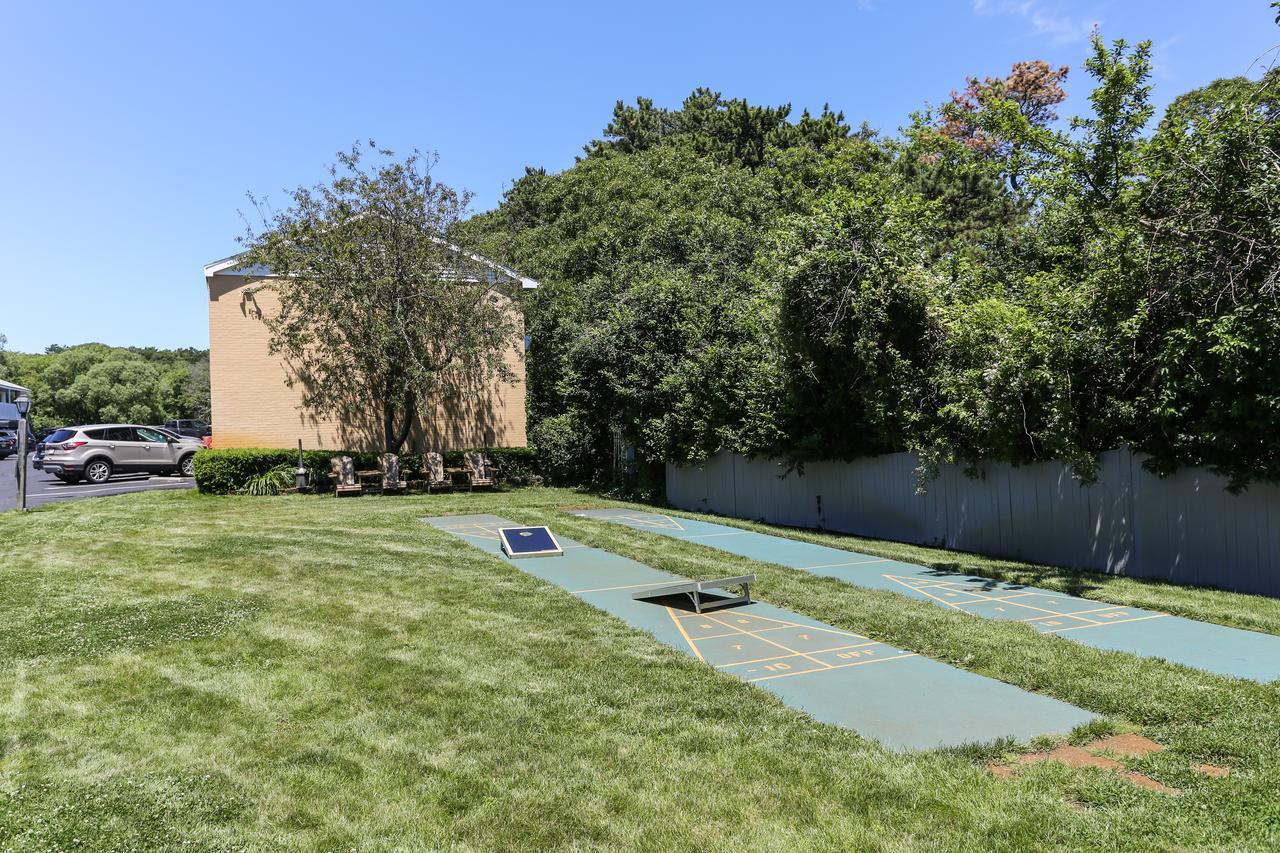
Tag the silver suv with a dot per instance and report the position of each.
(97, 451)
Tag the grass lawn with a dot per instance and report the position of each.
(301, 673)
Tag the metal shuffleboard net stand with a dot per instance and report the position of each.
(694, 590)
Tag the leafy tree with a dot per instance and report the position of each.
(1210, 320)
(855, 328)
(92, 383)
(640, 257)
(730, 130)
(991, 286)
(380, 314)
(1033, 89)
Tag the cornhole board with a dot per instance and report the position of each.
(529, 542)
(1204, 645)
(899, 698)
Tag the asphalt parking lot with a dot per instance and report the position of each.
(44, 489)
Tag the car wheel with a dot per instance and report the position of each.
(98, 471)
(187, 467)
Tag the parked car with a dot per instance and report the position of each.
(188, 439)
(193, 428)
(196, 443)
(8, 443)
(95, 452)
(37, 458)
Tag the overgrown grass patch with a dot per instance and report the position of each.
(303, 673)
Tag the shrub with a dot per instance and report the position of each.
(564, 449)
(515, 466)
(272, 482)
(222, 472)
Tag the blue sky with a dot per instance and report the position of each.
(131, 131)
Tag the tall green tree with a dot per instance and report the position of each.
(728, 129)
(1033, 88)
(1209, 325)
(856, 336)
(993, 286)
(94, 383)
(381, 316)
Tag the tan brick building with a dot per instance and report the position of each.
(253, 406)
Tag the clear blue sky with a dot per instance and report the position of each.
(131, 131)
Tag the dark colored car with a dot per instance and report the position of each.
(8, 443)
(37, 456)
(193, 428)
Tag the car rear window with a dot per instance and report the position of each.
(59, 435)
(96, 434)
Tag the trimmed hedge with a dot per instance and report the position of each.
(222, 472)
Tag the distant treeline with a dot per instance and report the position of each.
(990, 284)
(95, 383)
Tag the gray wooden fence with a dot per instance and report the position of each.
(1185, 528)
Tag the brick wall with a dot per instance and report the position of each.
(254, 407)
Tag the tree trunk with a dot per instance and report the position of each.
(393, 436)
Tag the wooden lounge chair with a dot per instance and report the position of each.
(481, 471)
(433, 469)
(343, 471)
(389, 467)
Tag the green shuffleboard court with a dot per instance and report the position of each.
(1215, 648)
(898, 698)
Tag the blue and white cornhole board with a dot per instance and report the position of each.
(529, 542)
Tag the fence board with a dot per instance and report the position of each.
(1185, 528)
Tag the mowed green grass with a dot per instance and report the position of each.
(310, 673)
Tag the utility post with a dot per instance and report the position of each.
(23, 404)
(300, 473)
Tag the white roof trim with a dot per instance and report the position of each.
(228, 265)
(9, 386)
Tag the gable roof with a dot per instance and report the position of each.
(230, 266)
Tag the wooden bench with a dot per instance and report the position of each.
(694, 590)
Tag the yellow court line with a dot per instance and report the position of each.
(1074, 612)
(770, 642)
(758, 631)
(954, 586)
(1044, 610)
(834, 565)
(985, 599)
(919, 583)
(611, 588)
(923, 590)
(837, 666)
(462, 529)
(1013, 596)
(784, 657)
(782, 623)
(687, 638)
(1104, 624)
(643, 521)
